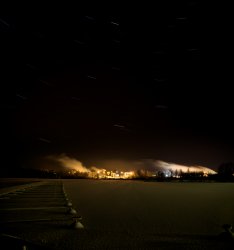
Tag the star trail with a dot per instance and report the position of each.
(114, 86)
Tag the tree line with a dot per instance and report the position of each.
(225, 173)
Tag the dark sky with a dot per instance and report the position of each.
(151, 83)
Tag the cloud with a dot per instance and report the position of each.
(151, 165)
(172, 166)
(69, 163)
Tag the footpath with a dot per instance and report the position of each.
(37, 215)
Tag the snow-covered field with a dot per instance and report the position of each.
(119, 214)
(146, 211)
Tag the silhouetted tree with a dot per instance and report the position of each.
(180, 173)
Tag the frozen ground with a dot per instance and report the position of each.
(6, 183)
(125, 214)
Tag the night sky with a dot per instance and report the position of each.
(116, 84)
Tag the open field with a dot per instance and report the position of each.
(134, 215)
(11, 182)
